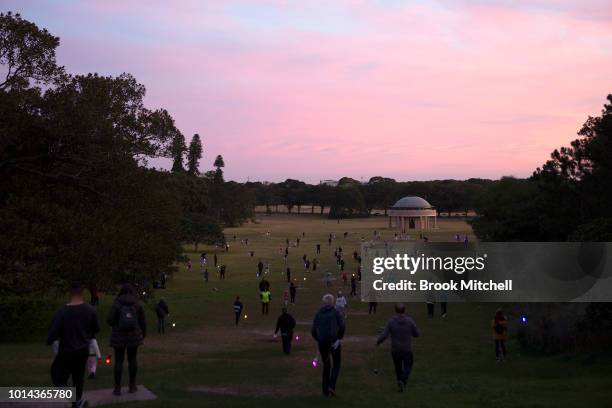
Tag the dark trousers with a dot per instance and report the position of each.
(288, 278)
(331, 366)
(287, 338)
(161, 324)
(500, 348)
(237, 317)
(70, 364)
(292, 296)
(403, 365)
(372, 307)
(430, 310)
(265, 308)
(132, 363)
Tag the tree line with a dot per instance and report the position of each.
(351, 198)
(78, 198)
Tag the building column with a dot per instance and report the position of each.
(403, 224)
(389, 222)
(435, 221)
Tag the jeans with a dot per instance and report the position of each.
(237, 317)
(161, 324)
(403, 365)
(70, 364)
(132, 363)
(265, 307)
(287, 338)
(372, 308)
(500, 348)
(331, 365)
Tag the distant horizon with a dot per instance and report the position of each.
(450, 89)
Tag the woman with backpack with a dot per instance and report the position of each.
(499, 330)
(127, 319)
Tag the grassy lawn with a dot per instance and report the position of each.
(206, 360)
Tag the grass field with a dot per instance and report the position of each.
(206, 360)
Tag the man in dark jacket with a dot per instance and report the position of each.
(161, 310)
(73, 326)
(286, 324)
(328, 329)
(402, 329)
(127, 318)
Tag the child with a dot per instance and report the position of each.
(499, 330)
(94, 356)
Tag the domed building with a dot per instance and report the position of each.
(412, 212)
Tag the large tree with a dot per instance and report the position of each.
(194, 155)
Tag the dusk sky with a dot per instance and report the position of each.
(414, 90)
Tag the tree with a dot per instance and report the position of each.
(76, 201)
(199, 228)
(177, 150)
(219, 164)
(194, 155)
(27, 53)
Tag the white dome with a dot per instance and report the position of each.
(411, 202)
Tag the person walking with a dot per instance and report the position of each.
(238, 306)
(288, 274)
(318, 249)
(285, 324)
(260, 266)
(430, 300)
(161, 310)
(74, 325)
(328, 278)
(341, 304)
(328, 330)
(373, 302)
(353, 285)
(401, 329)
(127, 319)
(499, 331)
(292, 293)
(265, 301)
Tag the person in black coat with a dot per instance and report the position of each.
(161, 310)
(285, 324)
(127, 319)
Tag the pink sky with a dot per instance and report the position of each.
(323, 89)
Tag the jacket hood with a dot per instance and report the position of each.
(327, 308)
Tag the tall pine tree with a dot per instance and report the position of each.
(194, 155)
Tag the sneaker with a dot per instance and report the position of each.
(133, 388)
(117, 390)
(400, 386)
(332, 393)
(92, 376)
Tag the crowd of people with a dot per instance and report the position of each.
(75, 325)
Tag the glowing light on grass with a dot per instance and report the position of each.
(173, 324)
(246, 316)
(107, 360)
(297, 338)
(315, 362)
(523, 319)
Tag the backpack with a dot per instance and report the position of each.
(499, 328)
(128, 319)
(327, 325)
